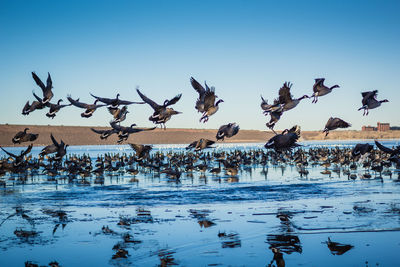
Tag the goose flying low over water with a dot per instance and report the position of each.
(333, 124)
(361, 149)
(369, 101)
(104, 134)
(142, 151)
(286, 140)
(206, 102)
(392, 152)
(115, 102)
(36, 104)
(124, 132)
(162, 113)
(61, 148)
(23, 136)
(286, 98)
(54, 108)
(47, 93)
(119, 114)
(227, 130)
(18, 158)
(90, 108)
(200, 144)
(320, 89)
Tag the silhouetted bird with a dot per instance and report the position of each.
(23, 136)
(115, 102)
(337, 248)
(385, 149)
(361, 149)
(47, 93)
(320, 89)
(369, 101)
(227, 130)
(286, 98)
(36, 104)
(162, 113)
(18, 158)
(54, 108)
(124, 132)
(335, 123)
(142, 151)
(119, 114)
(206, 102)
(61, 148)
(90, 108)
(104, 134)
(286, 140)
(200, 144)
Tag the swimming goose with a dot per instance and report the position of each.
(115, 102)
(200, 144)
(119, 114)
(286, 140)
(124, 132)
(335, 123)
(286, 98)
(47, 93)
(61, 148)
(369, 101)
(162, 113)
(142, 151)
(90, 108)
(18, 158)
(206, 102)
(320, 89)
(227, 130)
(22, 136)
(54, 108)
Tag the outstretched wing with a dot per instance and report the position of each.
(384, 148)
(173, 100)
(153, 104)
(8, 153)
(27, 151)
(284, 93)
(99, 131)
(76, 103)
(341, 123)
(49, 82)
(38, 81)
(135, 147)
(37, 97)
(103, 99)
(197, 86)
(114, 111)
(209, 100)
(54, 140)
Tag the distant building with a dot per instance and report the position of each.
(381, 126)
(395, 128)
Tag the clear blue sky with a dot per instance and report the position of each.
(243, 48)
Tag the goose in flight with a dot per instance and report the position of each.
(54, 108)
(286, 99)
(18, 158)
(23, 136)
(320, 89)
(90, 108)
(47, 93)
(286, 140)
(200, 144)
(333, 124)
(115, 102)
(227, 130)
(124, 132)
(369, 101)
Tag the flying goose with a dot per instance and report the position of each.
(267, 108)
(36, 104)
(22, 136)
(227, 130)
(162, 113)
(61, 148)
(206, 102)
(124, 132)
(320, 89)
(47, 93)
(361, 149)
(286, 98)
(335, 123)
(54, 108)
(90, 108)
(390, 151)
(104, 134)
(286, 140)
(115, 102)
(369, 101)
(18, 158)
(119, 114)
(142, 151)
(200, 144)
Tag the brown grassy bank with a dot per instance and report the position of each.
(82, 135)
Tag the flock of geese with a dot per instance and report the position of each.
(207, 104)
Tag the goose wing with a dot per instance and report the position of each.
(9, 153)
(384, 148)
(173, 100)
(339, 123)
(54, 140)
(27, 151)
(49, 82)
(38, 81)
(284, 93)
(103, 99)
(76, 103)
(136, 130)
(209, 100)
(153, 104)
(197, 86)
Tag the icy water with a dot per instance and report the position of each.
(203, 219)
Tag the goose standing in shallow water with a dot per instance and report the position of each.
(162, 113)
(206, 102)
(47, 93)
(23, 136)
(369, 101)
(90, 108)
(54, 108)
(335, 123)
(320, 89)
(286, 140)
(227, 130)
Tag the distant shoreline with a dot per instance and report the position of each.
(82, 135)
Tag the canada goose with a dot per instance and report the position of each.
(361, 149)
(227, 130)
(119, 114)
(206, 102)
(320, 89)
(286, 98)
(335, 123)
(200, 144)
(115, 102)
(267, 108)
(61, 148)
(22, 136)
(47, 93)
(50, 149)
(104, 134)
(275, 117)
(161, 112)
(90, 108)
(124, 132)
(54, 108)
(142, 151)
(385, 149)
(36, 104)
(369, 101)
(18, 158)
(286, 140)
(337, 248)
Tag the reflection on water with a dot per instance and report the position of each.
(304, 208)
